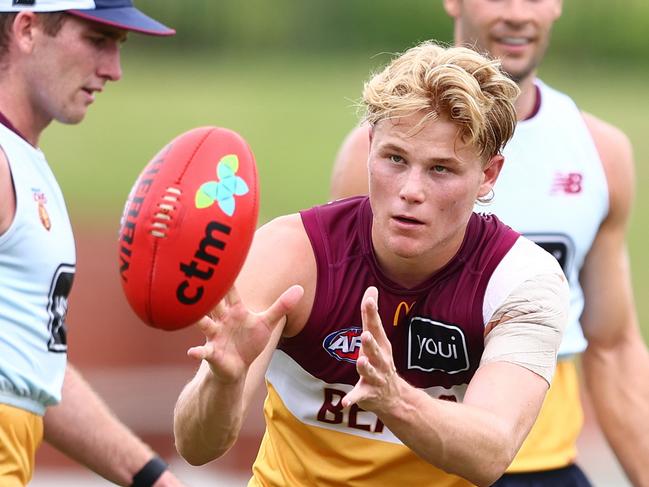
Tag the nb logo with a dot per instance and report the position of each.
(570, 183)
(436, 346)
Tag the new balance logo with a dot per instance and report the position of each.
(570, 183)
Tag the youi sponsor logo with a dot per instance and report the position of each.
(436, 346)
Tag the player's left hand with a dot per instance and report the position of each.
(377, 388)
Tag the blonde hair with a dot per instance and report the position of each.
(455, 82)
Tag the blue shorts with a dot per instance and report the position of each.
(571, 476)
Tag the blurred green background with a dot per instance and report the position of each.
(286, 75)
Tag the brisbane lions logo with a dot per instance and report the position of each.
(344, 344)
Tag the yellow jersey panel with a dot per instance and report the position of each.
(296, 454)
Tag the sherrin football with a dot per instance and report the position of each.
(187, 226)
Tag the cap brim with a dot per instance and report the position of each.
(127, 18)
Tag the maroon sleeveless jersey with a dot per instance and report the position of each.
(436, 329)
(437, 336)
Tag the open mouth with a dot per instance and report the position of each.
(514, 41)
(408, 220)
(91, 91)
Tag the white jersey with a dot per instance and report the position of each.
(37, 264)
(553, 190)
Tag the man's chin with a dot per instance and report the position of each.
(72, 118)
(406, 250)
(516, 72)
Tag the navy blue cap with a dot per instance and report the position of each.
(122, 15)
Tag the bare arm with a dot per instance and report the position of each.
(83, 427)
(8, 200)
(240, 342)
(616, 362)
(477, 439)
(210, 410)
(349, 177)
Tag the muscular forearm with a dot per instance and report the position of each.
(476, 439)
(207, 418)
(82, 427)
(239, 345)
(616, 378)
(458, 438)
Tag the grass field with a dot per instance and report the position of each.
(294, 113)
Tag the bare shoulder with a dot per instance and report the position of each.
(349, 176)
(277, 244)
(611, 142)
(357, 141)
(280, 256)
(284, 234)
(616, 153)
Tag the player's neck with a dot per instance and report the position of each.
(526, 103)
(410, 272)
(18, 111)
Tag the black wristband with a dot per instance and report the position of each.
(151, 472)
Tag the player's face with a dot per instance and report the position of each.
(515, 31)
(423, 185)
(68, 70)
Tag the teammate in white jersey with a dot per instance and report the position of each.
(53, 62)
(567, 183)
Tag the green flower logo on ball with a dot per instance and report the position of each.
(227, 186)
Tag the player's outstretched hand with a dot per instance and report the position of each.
(235, 336)
(377, 385)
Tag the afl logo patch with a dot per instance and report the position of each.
(344, 344)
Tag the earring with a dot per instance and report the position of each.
(486, 199)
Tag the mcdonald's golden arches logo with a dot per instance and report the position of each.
(404, 308)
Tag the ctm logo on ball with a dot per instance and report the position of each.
(207, 255)
(225, 188)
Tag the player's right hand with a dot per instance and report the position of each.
(235, 336)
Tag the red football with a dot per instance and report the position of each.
(187, 226)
